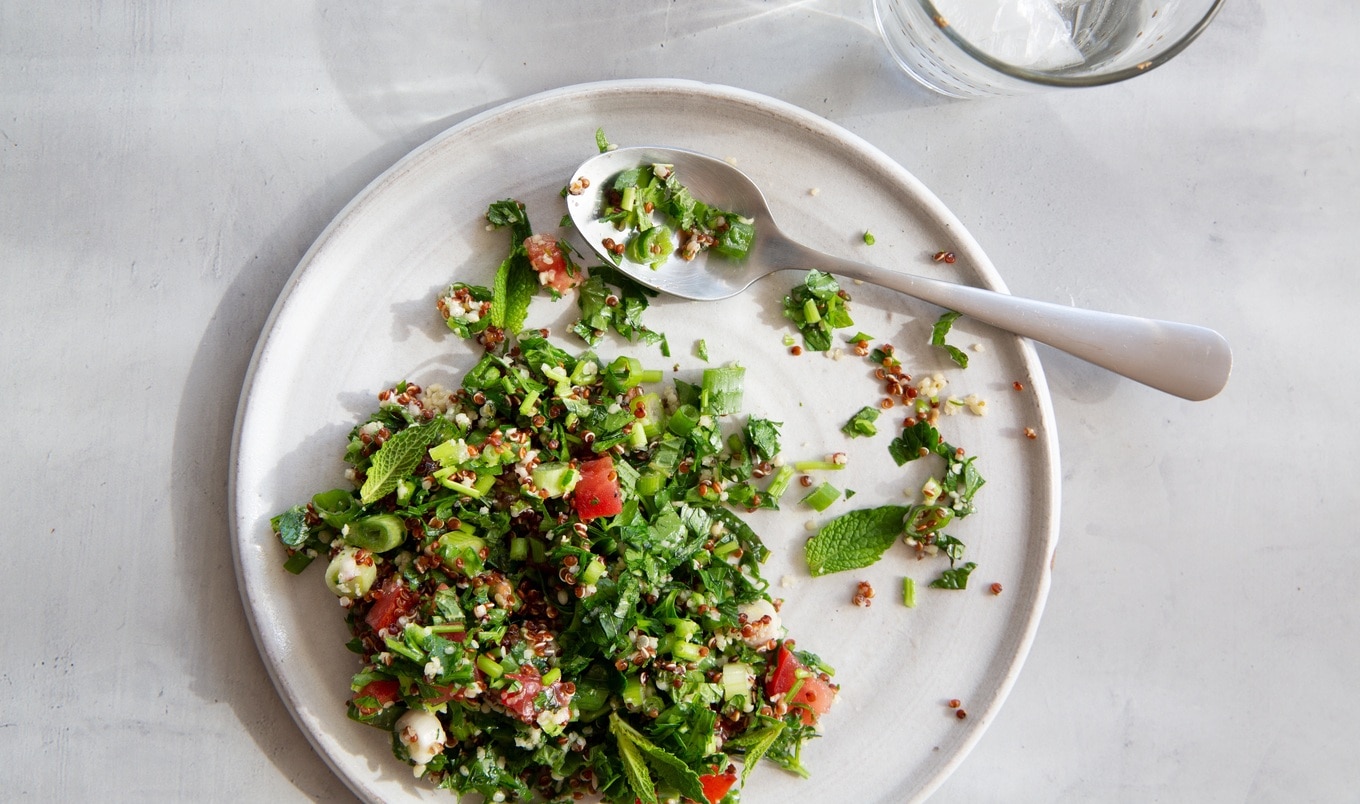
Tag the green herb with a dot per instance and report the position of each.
(757, 744)
(516, 280)
(956, 578)
(817, 306)
(601, 141)
(855, 539)
(609, 300)
(397, 457)
(961, 478)
(291, 526)
(466, 309)
(862, 423)
(937, 336)
(869, 238)
(669, 545)
(639, 752)
(762, 437)
(686, 223)
(701, 349)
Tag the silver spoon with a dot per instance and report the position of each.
(1181, 359)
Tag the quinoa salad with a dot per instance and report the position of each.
(549, 582)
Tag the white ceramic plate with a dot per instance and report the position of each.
(358, 315)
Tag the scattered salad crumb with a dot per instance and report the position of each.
(943, 256)
(869, 238)
(996, 588)
(864, 594)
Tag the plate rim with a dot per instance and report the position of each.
(932, 206)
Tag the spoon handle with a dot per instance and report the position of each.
(1182, 359)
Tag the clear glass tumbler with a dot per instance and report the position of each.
(980, 48)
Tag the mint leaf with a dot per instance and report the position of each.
(291, 526)
(634, 768)
(938, 333)
(756, 744)
(516, 280)
(856, 539)
(397, 457)
(672, 770)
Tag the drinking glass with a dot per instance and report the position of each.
(979, 48)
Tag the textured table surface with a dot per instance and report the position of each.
(164, 166)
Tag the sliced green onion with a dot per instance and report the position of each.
(397, 646)
(337, 507)
(822, 497)
(909, 593)
(779, 483)
(376, 534)
(683, 420)
(489, 666)
(723, 388)
(593, 571)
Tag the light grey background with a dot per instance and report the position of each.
(163, 167)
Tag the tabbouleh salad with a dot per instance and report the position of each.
(544, 571)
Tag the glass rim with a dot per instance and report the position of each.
(1054, 78)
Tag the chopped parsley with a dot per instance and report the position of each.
(937, 336)
(817, 306)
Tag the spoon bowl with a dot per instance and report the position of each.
(1185, 360)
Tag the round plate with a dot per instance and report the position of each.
(358, 316)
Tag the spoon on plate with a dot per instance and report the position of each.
(1181, 359)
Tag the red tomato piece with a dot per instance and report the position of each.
(396, 601)
(716, 785)
(813, 697)
(522, 703)
(784, 673)
(547, 258)
(597, 492)
(385, 691)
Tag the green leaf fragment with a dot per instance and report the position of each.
(862, 423)
(938, 333)
(399, 456)
(855, 539)
(639, 753)
(956, 578)
(291, 526)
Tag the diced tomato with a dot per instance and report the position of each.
(716, 785)
(384, 691)
(813, 697)
(597, 492)
(396, 601)
(521, 703)
(784, 673)
(547, 258)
